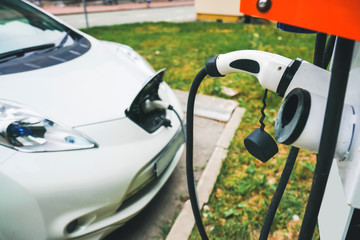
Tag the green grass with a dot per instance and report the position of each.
(245, 186)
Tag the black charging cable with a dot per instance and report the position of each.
(189, 153)
(275, 201)
(180, 120)
(190, 171)
(284, 179)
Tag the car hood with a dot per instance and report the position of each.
(95, 87)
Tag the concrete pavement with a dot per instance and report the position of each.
(101, 15)
(66, 10)
(167, 14)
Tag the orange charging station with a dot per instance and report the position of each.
(334, 199)
(335, 17)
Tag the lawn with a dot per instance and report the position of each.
(245, 186)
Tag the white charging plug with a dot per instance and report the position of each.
(149, 106)
(274, 72)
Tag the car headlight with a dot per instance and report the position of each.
(26, 131)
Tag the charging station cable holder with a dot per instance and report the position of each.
(300, 120)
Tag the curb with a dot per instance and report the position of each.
(185, 221)
(211, 107)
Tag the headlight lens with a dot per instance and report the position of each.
(26, 131)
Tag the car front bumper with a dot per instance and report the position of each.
(86, 194)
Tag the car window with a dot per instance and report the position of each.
(31, 40)
(22, 26)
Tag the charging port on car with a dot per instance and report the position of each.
(149, 121)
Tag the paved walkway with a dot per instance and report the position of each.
(65, 10)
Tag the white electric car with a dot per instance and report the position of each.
(79, 155)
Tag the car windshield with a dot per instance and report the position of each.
(24, 27)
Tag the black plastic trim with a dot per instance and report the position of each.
(288, 76)
(247, 65)
(288, 132)
(211, 67)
